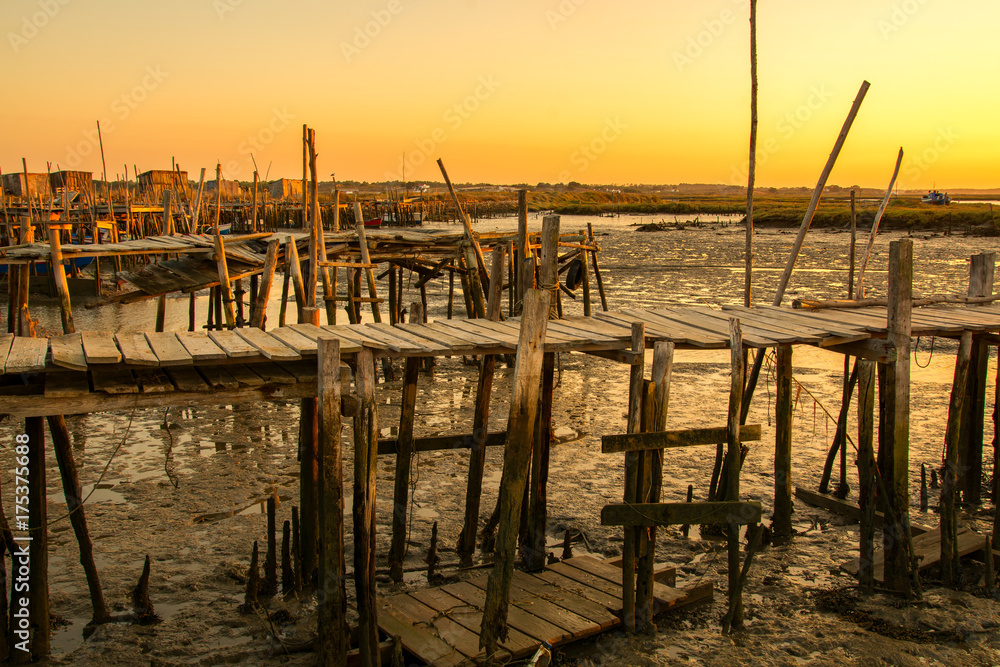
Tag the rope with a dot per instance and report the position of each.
(929, 356)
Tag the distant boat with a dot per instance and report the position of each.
(374, 223)
(935, 197)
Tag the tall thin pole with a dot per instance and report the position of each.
(751, 171)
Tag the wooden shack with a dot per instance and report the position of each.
(230, 189)
(77, 181)
(152, 183)
(37, 185)
(284, 188)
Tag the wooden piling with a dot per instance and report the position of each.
(781, 525)
(78, 518)
(365, 468)
(950, 566)
(897, 418)
(866, 472)
(597, 269)
(632, 464)
(38, 565)
(224, 285)
(332, 619)
(404, 454)
(271, 558)
(295, 271)
(59, 276)
(970, 453)
(537, 516)
(733, 462)
(259, 317)
(287, 571)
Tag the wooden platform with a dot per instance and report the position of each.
(567, 601)
(928, 550)
(104, 371)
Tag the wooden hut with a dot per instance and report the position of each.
(230, 189)
(152, 183)
(37, 185)
(285, 188)
(77, 181)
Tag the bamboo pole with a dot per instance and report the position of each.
(366, 259)
(316, 228)
(253, 224)
(218, 197)
(478, 278)
(197, 204)
(751, 171)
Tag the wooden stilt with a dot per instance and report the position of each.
(225, 286)
(597, 270)
(733, 463)
(782, 523)
(950, 566)
(250, 603)
(332, 621)
(259, 317)
(632, 465)
(287, 570)
(71, 489)
(586, 280)
(477, 459)
(365, 466)
(686, 528)
(866, 472)
(970, 453)
(897, 418)
(296, 551)
(192, 311)
(38, 565)
(283, 307)
(295, 270)
(534, 550)
(404, 454)
(59, 275)
(309, 474)
(271, 558)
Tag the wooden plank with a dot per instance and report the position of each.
(269, 346)
(304, 345)
(245, 375)
(63, 385)
(872, 349)
(273, 374)
(233, 345)
(666, 330)
(168, 349)
(634, 442)
(218, 377)
(26, 355)
(441, 442)
(200, 346)
(435, 335)
(596, 613)
(5, 341)
(417, 613)
(665, 514)
(926, 548)
(425, 646)
(100, 348)
(313, 332)
(561, 582)
(302, 371)
(474, 592)
(588, 580)
(849, 510)
(67, 352)
(153, 381)
(594, 325)
(187, 379)
(717, 325)
(556, 326)
(834, 327)
(408, 339)
(486, 329)
(571, 625)
(663, 595)
(354, 333)
(765, 331)
(113, 380)
(470, 617)
(776, 319)
(135, 349)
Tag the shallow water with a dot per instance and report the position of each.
(180, 479)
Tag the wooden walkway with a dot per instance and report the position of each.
(565, 602)
(95, 371)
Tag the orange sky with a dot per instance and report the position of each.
(651, 91)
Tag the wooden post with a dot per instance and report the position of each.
(404, 454)
(866, 472)
(534, 548)
(316, 228)
(271, 558)
(295, 271)
(950, 566)
(478, 277)
(631, 493)
(782, 523)
(224, 285)
(78, 518)
(897, 561)
(586, 278)
(59, 274)
(167, 224)
(218, 198)
(970, 453)
(366, 259)
(259, 317)
(597, 269)
(655, 420)
(332, 624)
(365, 467)
(752, 170)
(517, 457)
(732, 484)
(253, 224)
(309, 481)
(197, 204)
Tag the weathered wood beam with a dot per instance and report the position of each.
(673, 514)
(692, 437)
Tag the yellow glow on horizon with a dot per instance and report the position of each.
(558, 90)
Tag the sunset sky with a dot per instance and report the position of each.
(642, 91)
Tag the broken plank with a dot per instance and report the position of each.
(427, 647)
(5, 341)
(152, 381)
(200, 346)
(67, 352)
(62, 385)
(218, 377)
(99, 347)
(113, 380)
(187, 379)
(135, 349)
(26, 355)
